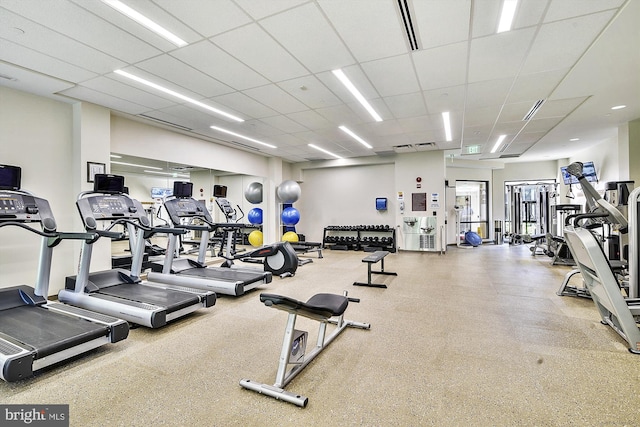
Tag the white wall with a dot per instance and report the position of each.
(36, 134)
(344, 196)
(344, 192)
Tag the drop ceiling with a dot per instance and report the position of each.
(270, 63)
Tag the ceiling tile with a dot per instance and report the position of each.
(106, 100)
(183, 75)
(41, 39)
(322, 52)
(19, 78)
(254, 47)
(131, 93)
(276, 98)
(310, 119)
(445, 99)
(441, 66)
(407, 105)
(482, 115)
(515, 111)
(62, 17)
(371, 29)
(245, 105)
(261, 9)
(283, 124)
(558, 107)
(532, 87)
(528, 13)
(207, 57)
(488, 92)
(440, 23)
(563, 9)
(500, 55)
(152, 11)
(30, 59)
(400, 67)
(486, 15)
(205, 16)
(561, 44)
(310, 91)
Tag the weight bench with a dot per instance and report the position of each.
(373, 258)
(325, 308)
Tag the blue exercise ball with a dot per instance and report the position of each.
(255, 216)
(290, 216)
(253, 193)
(288, 191)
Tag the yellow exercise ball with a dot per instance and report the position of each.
(255, 238)
(290, 236)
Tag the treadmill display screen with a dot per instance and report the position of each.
(106, 183)
(10, 177)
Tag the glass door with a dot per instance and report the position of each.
(472, 207)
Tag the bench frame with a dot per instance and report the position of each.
(375, 257)
(283, 377)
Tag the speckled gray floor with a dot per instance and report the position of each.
(475, 337)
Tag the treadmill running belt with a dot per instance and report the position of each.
(171, 300)
(225, 274)
(48, 332)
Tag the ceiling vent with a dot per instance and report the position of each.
(240, 144)
(404, 148)
(423, 146)
(408, 24)
(509, 156)
(164, 122)
(532, 112)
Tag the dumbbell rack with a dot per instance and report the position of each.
(368, 238)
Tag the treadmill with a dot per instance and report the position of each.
(120, 292)
(34, 332)
(187, 272)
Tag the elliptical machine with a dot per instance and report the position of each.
(279, 258)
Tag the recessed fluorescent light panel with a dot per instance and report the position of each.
(145, 22)
(354, 136)
(498, 143)
(134, 165)
(356, 93)
(446, 119)
(618, 107)
(324, 151)
(506, 18)
(177, 95)
(242, 136)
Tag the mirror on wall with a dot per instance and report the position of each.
(150, 180)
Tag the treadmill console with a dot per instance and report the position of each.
(186, 208)
(22, 207)
(104, 207)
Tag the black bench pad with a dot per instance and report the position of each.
(318, 307)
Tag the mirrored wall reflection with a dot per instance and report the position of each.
(149, 181)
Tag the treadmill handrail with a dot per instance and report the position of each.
(56, 236)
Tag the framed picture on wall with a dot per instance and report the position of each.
(93, 169)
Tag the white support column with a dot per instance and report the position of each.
(91, 143)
